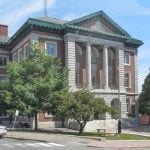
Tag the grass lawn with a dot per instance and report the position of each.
(124, 136)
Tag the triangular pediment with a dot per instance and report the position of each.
(98, 25)
(99, 21)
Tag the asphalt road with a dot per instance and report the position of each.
(13, 144)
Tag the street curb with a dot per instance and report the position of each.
(18, 138)
(116, 147)
(85, 137)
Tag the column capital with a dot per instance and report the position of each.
(105, 46)
(89, 43)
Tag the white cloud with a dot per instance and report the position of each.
(25, 10)
(20, 9)
(125, 7)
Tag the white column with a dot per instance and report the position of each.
(70, 62)
(88, 60)
(105, 65)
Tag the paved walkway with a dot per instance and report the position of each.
(91, 142)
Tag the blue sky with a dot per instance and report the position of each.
(132, 15)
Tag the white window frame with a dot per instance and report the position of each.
(129, 55)
(15, 53)
(7, 60)
(129, 79)
(35, 41)
(24, 49)
(20, 52)
(50, 42)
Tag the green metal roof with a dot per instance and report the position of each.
(58, 26)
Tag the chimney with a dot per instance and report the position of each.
(3, 30)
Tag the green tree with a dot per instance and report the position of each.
(81, 105)
(144, 98)
(34, 84)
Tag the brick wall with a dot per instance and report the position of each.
(144, 120)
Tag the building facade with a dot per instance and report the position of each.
(100, 56)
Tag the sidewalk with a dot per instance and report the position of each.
(144, 131)
(90, 142)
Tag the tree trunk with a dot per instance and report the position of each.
(36, 121)
(82, 125)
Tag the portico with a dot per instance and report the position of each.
(104, 62)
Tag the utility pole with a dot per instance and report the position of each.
(45, 8)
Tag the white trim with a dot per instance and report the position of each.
(26, 45)
(4, 51)
(21, 43)
(47, 36)
(82, 38)
(51, 42)
(15, 53)
(7, 60)
(19, 51)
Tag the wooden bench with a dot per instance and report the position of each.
(101, 130)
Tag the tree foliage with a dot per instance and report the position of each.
(34, 84)
(81, 105)
(144, 98)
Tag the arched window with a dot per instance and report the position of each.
(116, 104)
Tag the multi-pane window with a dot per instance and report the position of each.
(26, 51)
(35, 41)
(127, 80)
(20, 54)
(15, 56)
(127, 58)
(3, 61)
(51, 48)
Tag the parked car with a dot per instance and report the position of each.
(3, 131)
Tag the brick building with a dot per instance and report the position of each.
(99, 54)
